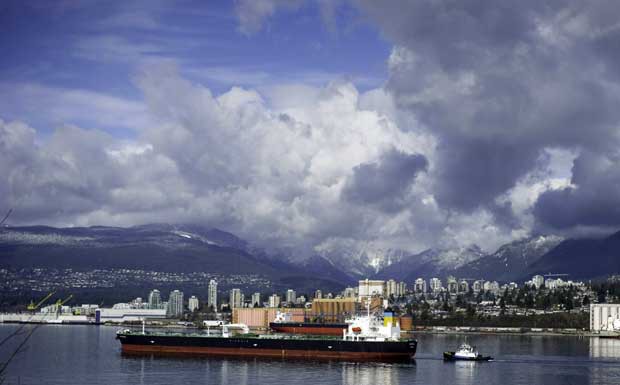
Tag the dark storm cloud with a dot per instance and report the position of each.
(592, 200)
(498, 82)
(385, 182)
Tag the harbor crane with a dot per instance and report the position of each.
(59, 304)
(32, 306)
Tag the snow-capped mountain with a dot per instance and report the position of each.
(510, 260)
(359, 259)
(431, 263)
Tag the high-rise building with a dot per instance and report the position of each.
(256, 300)
(236, 298)
(369, 288)
(420, 285)
(274, 300)
(193, 303)
(175, 304)
(478, 286)
(318, 294)
(212, 298)
(291, 296)
(436, 285)
(453, 285)
(463, 286)
(155, 299)
(391, 288)
(538, 281)
(402, 288)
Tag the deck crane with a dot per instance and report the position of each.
(32, 306)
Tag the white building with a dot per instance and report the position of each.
(236, 298)
(256, 300)
(538, 281)
(291, 296)
(604, 317)
(391, 288)
(193, 303)
(420, 285)
(124, 315)
(436, 285)
(493, 287)
(175, 303)
(155, 299)
(402, 288)
(212, 298)
(368, 288)
(274, 300)
(318, 294)
(478, 286)
(453, 285)
(349, 292)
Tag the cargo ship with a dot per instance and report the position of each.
(366, 338)
(283, 323)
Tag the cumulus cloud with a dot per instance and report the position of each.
(274, 175)
(498, 85)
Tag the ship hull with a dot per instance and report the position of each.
(268, 347)
(308, 328)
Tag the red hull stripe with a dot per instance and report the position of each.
(308, 330)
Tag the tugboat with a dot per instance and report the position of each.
(465, 352)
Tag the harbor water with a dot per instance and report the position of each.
(58, 354)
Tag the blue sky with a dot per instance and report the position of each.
(99, 47)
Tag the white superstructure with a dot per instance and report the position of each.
(370, 328)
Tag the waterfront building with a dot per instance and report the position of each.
(420, 285)
(478, 286)
(274, 300)
(193, 303)
(436, 285)
(291, 296)
(236, 298)
(605, 317)
(369, 288)
(155, 299)
(335, 310)
(212, 297)
(175, 304)
(256, 300)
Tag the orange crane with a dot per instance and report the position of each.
(32, 306)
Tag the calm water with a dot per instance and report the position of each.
(86, 354)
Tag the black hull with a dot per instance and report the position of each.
(325, 348)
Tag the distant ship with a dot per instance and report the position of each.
(365, 339)
(284, 324)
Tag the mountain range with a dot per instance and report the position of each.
(198, 248)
